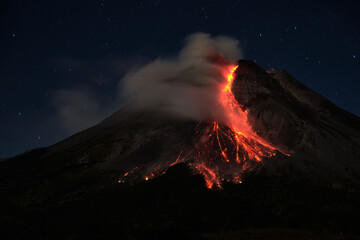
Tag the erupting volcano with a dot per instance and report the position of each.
(146, 169)
(223, 151)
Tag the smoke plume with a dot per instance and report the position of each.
(187, 85)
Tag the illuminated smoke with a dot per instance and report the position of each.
(184, 86)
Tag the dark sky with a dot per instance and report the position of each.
(61, 57)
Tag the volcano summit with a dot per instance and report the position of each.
(280, 156)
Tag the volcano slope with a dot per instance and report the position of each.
(132, 176)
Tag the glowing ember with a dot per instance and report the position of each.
(223, 151)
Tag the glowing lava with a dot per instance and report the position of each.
(223, 151)
(232, 147)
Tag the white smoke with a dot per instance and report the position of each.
(187, 85)
(184, 86)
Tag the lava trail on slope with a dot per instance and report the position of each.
(222, 151)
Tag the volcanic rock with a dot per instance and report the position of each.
(74, 189)
(322, 139)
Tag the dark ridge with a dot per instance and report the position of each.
(315, 100)
(75, 189)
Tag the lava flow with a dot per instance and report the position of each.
(224, 150)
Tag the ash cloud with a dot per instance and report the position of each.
(185, 86)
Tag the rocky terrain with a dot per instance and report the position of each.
(71, 190)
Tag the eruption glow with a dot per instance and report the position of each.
(232, 147)
(223, 151)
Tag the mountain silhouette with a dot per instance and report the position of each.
(136, 174)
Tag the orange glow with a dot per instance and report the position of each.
(232, 147)
(223, 151)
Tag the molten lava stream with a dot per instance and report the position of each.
(231, 147)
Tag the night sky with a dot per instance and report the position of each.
(69, 56)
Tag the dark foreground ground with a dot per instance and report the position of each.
(178, 206)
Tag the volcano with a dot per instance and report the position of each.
(286, 158)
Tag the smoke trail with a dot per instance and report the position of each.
(187, 85)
